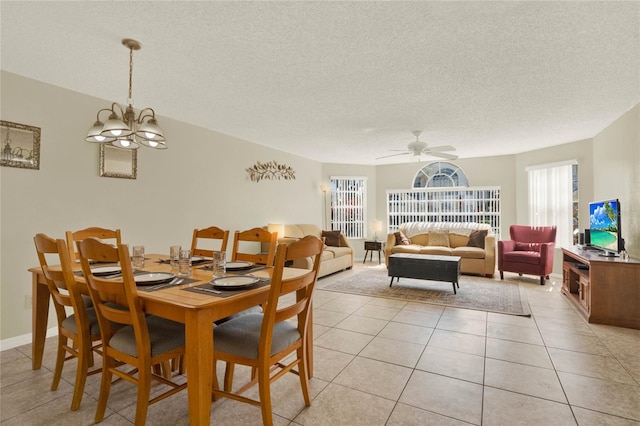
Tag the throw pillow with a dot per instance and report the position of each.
(401, 239)
(476, 239)
(439, 238)
(332, 238)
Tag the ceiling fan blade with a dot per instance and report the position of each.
(441, 155)
(393, 155)
(441, 148)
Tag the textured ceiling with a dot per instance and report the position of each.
(346, 82)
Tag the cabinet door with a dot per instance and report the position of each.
(566, 276)
(585, 296)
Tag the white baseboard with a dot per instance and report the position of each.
(25, 339)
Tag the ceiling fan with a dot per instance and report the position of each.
(418, 148)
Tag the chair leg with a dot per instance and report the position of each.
(303, 373)
(105, 388)
(542, 280)
(85, 357)
(502, 275)
(228, 376)
(62, 341)
(144, 389)
(264, 389)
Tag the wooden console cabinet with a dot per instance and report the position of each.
(606, 290)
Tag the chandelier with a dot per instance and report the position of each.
(122, 128)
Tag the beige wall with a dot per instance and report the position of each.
(616, 173)
(199, 181)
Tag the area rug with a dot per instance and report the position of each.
(479, 293)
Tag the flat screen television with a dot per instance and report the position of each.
(604, 227)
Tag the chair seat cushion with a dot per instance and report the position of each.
(251, 310)
(530, 257)
(69, 323)
(165, 335)
(241, 336)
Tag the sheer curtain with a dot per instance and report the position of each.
(551, 199)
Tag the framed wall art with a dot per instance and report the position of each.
(118, 162)
(20, 145)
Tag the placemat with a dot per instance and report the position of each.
(225, 293)
(239, 271)
(150, 288)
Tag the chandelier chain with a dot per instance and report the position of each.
(130, 73)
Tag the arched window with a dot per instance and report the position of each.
(440, 174)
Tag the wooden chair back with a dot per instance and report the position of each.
(211, 233)
(92, 232)
(303, 286)
(272, 360)
(116, 302)
(257, 235)
(66, 293)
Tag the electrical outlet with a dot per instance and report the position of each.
(27, 301)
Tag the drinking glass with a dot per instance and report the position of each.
(174, 256)
(219, 264)
(184, 263)
(137, 258)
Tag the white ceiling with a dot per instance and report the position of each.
(346, 82)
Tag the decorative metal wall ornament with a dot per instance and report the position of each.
(270, 170)
(20, 145)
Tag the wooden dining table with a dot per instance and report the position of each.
(196, 310)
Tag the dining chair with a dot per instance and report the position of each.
(210, 233)
(255, 235)
(142, 341)
(78, 332)
(262, 341)
(95, 232)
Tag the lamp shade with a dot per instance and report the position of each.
(126, 143)
(150, 131)
(95, 134)
(114, 127)
(276, 227)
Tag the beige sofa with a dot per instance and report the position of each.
(334, 259)
(475, 260)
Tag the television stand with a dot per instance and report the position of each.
(605, 290)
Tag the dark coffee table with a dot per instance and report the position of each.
(425, 267)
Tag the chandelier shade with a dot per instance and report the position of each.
(122, 128)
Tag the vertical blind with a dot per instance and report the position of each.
(349, 205)
(551, 199)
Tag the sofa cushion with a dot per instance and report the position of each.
(420, 239)
(469, 252)
(457, 240)
(439, 250)
(326, 255)
(439, 238)
(411, 248)
(338, 251)
(476, 239)
(401, 239)
(331, 238)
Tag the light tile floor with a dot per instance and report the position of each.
(390, 362)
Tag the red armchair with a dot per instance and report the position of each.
(530, 251)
